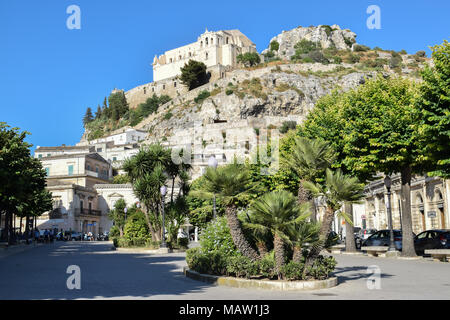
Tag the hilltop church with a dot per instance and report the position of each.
(216, 49)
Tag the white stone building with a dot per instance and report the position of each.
(213, 48)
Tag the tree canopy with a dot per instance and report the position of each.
(193, 74)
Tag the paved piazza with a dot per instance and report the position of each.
(40, 273)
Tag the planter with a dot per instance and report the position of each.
(279, 285)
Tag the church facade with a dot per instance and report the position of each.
(216, 49)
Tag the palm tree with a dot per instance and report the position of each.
(308, 159)
(301, 234)
(276, 212)
(229, 183)
(337, 190)
(146, 171)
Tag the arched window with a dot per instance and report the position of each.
(212, 41)
(206, 41)
(227, 41)
(206, 56)
(170, 60)
(201, 44)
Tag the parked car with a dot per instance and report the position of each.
(357, 234)
(382, 238)
(75, 236)
(366, 233)
(432, 239)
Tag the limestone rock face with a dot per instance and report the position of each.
(327, 36)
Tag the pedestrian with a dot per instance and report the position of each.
(36, 235)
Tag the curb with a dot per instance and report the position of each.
(277, 285)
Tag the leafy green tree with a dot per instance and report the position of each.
(121, 179)
(274, 45)
(229, 183)
(275, 212)
(118, 105)
(373, 129)
(193, 74)
(248, 59)
(434, 103)
(98, 113)
(117, 215)
(22, 191)
(88, 117)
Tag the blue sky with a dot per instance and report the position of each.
(49, 74)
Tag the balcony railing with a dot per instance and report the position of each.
(87, 212)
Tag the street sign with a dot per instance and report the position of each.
(431, 214)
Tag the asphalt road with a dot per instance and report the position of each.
(40, 273)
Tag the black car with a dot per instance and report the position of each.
(432, 239)
(382, 238)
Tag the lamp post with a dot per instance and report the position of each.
(125, 210)
(212, 163)
(163, 191)
(388, 183)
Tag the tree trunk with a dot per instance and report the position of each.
(325, 229)
(238, 236)
(303, 194)
(297, 256)
(407, 231)
(349, 232)
(278, 246)
(155, 235)
(313, 209)
(173, 186)
(262, 249)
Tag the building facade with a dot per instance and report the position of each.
(213, 48)
(71, 178)
(429, 204)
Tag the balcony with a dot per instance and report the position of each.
(86, 212)
(97, 175)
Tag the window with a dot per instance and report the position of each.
(89, 167)
(70, 169)
(145, 90)
(164, 86)
(96, 169)
(174, 84)
(170, 59)
(99, 149)
(227, 41)
(47, 171)
(206, 41)
(81, 204)
(207, 56)
(114, 158)
(49, 154)
(39, 156)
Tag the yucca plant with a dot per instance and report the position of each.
(276, 212)
(308, 159)
(304, 234)
(337, 189)
(229, 183)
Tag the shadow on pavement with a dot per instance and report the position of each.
(41, 273)
(345, 274)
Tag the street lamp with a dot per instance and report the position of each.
(212, 163)
(388, 183)
(125, 210)
(163, 191)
